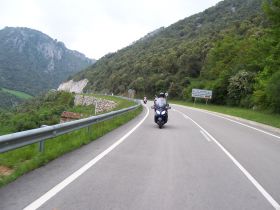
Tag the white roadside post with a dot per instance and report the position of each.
(95, 108)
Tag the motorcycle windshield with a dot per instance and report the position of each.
(161, 103)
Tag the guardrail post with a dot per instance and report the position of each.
(42, 143)
(41, 146)
(89, 131)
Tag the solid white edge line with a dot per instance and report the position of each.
(267, 196)
(217, 115)
(52, 192)
(205, 135)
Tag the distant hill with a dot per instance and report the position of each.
(32, 62)
(169, 58)
(231, 48)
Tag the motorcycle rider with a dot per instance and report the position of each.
(161, 102)
(155, 99)
(145, 100)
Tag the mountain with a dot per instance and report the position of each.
(231, 48)
(32, 62)
(171, 56)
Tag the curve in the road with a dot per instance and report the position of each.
(204, 162)
(52, 192)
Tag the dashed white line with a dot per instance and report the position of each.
(267, 196)
(52, 192)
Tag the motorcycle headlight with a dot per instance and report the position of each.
(158, 112)
(163, 112)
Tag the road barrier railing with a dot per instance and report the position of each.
(20, 139)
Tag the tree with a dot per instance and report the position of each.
(138, 85)
(161, 85)
(273, 90)
(240, 86)
(175, 91)
(265, 89)
(272, 11)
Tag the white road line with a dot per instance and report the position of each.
(248, 126)
(267, 196)
(205, 135)
(257, 129)
(52, 192)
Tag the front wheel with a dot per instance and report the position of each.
(160, 124)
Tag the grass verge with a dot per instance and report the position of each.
(25, 159)
(18, 94)
(257, 116)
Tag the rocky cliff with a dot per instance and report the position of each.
(101, 105)
(32, 62)
(73, 87)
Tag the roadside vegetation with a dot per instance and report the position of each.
(254, 115)
(232, 49)
(42, 110)
(18, 162)
(46, 110)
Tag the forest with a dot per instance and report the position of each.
(232, 48)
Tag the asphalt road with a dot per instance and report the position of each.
(197, 161)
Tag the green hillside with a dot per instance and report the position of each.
(231, 48)
(18, 94)
(11, 98)
(41, 110)
(8, 100)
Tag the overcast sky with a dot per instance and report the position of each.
(97, 27)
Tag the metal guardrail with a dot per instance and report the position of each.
(24, 138)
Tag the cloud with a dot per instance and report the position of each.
(97, 27)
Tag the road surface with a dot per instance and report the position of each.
(198, 160)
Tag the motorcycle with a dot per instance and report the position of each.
(161, 114)
(145, 100)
